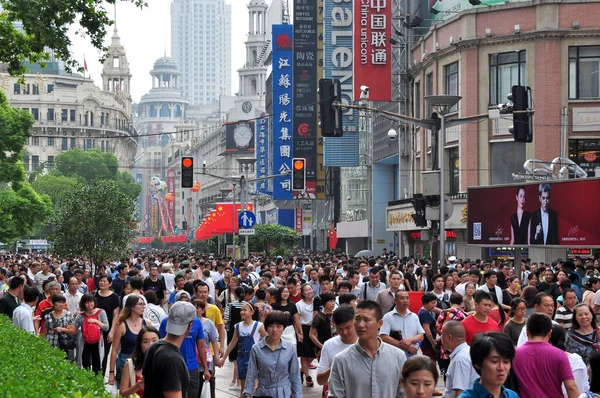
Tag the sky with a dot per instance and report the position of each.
(145, 33)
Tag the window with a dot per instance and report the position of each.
(50, 141)
(35, 162)
(50, 88)
(88, 144)
(72, 115)
(50, 114)
(584, 67)
(73, 143)
(429, 91)
(17, 88)
(451, 82)
(586, 153)
(35, 112)
(50, 161)
(454, 170)
(417, 100)
(35, 141)
(65, 144)
(506, 70)
(26, 88)
(64, 114)
(26, 161)
(36, 89)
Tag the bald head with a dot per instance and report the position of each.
(453, 334)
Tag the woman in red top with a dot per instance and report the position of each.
(147, 336)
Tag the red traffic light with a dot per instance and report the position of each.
(187, 162)
(298, 164)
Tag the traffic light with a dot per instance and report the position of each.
(419, 205)
(187, 172)
(330, 92)
(299, 174)
(522, 128)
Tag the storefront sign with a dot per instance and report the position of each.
(586, 119)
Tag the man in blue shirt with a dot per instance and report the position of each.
(195, 339)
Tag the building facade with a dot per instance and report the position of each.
(201, 47)
(71, 112)
(480, 54)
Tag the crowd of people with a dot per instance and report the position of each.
(160, 322)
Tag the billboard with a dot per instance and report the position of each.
(338, 56)
(305, 90)
(262, 154)
(449, 8)
(547, 213)
(171, 181)
(239, 136)
(283, 110)
(373, 52)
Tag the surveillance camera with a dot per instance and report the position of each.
(349, 198)
(392, 134)
(364, 95)
(365, 89)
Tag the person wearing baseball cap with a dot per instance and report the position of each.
(167, 369)
(194, 340)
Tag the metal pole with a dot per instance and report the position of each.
(245, 208)
(234, 221)
(442, 238)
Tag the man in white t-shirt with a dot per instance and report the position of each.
(343, 318)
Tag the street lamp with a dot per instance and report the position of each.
(245, 164)
(442, 104)
(224, 193)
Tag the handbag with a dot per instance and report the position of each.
(66, 342)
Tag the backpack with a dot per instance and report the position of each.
(91, 331)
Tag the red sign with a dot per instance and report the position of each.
(299, 220)
(554, 213)
(372, 49)
(579, 251)
(171, 177)
(450, 234)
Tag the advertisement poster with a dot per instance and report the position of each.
(372, 49)
(554, 213)
(171, 177)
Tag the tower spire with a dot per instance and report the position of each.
(115, 5)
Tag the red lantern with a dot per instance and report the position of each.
(196, 186)
(169, 197)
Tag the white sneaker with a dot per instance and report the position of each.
(234, 387)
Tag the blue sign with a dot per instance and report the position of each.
(246, 219)
(262, 154)
(338, 58)
(283, 110)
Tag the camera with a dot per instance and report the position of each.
(365, 89)
(364, 95)
(392, 134)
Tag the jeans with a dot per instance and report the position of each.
(194, 383)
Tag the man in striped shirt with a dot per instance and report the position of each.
(564, 315)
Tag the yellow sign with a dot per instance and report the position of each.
(396, 218)
(464, 211)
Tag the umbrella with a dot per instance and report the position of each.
(365, 253)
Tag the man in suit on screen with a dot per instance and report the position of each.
(544, 221)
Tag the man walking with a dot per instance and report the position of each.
(165, 372)
(369, 356)
(387, 297)
(460, 374)
(480, 322)
(401, 327)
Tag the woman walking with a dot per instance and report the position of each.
(133, 383)
(307, 308)
(108, 301)
(246, 333)
(59, 328)
(273, 363)
(92, 322)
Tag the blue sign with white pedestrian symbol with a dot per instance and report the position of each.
(246, 219)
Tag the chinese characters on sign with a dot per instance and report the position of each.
(373, 55)
(283, 110)
(262, 154)
(305, 95)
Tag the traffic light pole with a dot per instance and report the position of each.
(430, 124)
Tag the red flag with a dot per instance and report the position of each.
(333, 239)
(85, 64)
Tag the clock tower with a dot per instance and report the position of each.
(253, 75)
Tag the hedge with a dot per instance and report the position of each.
(30, 367)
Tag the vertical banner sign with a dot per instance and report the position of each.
(154, 216)
(373, 52)
(305, 90)
(339, 61)
(171, 176)
(320, 147)
(283, 110)
(299, 220)
(139, 209)
(262, 154)
(307, 220)
(147, 212)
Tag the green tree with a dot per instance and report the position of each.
(45, 26)
(21, 208)
(55, 186)
(94, 221)
(268, 235)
